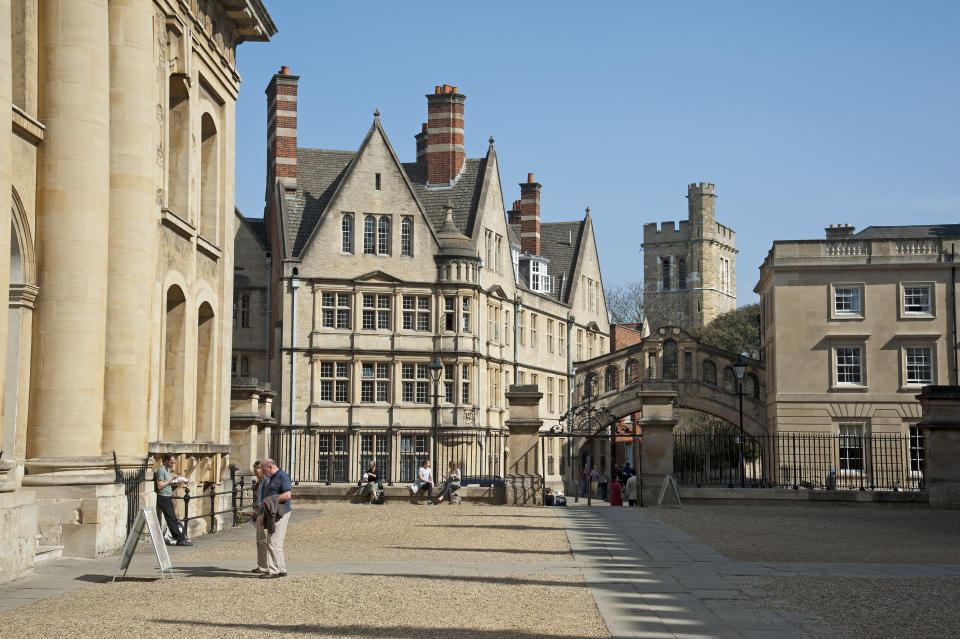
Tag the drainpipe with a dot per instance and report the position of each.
(570, 384)
(953, 306)
(269, 263)
(294, 285)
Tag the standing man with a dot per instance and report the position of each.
(162, 480)
(277, 483)
(258, 487)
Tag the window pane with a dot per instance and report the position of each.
(847, 300)
(916, 299)
(919, 365)
(848, 366)
(369, 235)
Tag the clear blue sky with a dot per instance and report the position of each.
(803, 114)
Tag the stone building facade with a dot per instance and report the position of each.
(689, 269)
(118, 165)
(380, 266)
(854, 325)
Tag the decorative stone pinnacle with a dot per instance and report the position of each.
(376, 113)
(491, 140)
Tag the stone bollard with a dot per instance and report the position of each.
(524, 477)
(656, 450)
(941, 450)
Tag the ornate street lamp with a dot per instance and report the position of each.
(436, 369)
(739, 368)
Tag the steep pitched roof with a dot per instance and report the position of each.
(560, 244)
(319, 173)
(464, 196)
(917, 231)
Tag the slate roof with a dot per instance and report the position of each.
(918, 231)
(464, 196)
(555, 245)
(320, 171)
(259, 229)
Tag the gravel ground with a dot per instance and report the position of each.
(791, 533)
(315, 606)
(404, 532)
(874, 608)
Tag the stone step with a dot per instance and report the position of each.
(46, 553)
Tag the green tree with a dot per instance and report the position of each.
(737, 331)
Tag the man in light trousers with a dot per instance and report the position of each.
(278, 483)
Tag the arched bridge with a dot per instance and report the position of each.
(671, 359)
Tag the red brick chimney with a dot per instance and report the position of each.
(282, 126)
(513, 215)
(530, 216)
(444, 145)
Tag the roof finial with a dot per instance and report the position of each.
(491, 140)
(588, 210)
(376, 113)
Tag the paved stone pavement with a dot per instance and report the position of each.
(648, 579)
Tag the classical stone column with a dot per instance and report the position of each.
(66, 408)
(524, 479)
(134, 136)
(6, 155)
(656, 451)
(941, 449)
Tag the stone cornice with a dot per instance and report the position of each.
(26, 127)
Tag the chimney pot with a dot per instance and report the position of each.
(437, 89)
(529, 178)
(284, 70)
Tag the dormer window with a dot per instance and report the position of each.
(540, 282)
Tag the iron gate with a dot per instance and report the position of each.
(131, 480)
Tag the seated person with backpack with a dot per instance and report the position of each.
(452, 483)
(372, 487)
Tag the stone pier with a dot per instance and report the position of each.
(524, 477)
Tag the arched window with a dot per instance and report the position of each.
(406, 237)
(729, 380)
(651, 365)
(173, 370)
(632, 370)
(682, 273)
(346, 233)
(383, 236)
(709, 373)
(369, 235)
(610, 380)
(244, 367)
(751, 386)
(209, 178)
(666, 273)
(178, 153)
(590, 385)
(205, 373)
(670, 364)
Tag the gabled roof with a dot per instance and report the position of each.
(911, 232)
(562, 253)
(257, 226)
(320, 172)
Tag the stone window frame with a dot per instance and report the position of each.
(905, 344)
(406, 236)
(859, 314)
(346, 233)
(903, 313)
(846, 342)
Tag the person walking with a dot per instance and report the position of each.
(277, 483)
(258, 487)
(631, 490)
(163, 480)
(616, 490)
(604, 480)
(594, 480)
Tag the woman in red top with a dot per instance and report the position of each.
(616, 492)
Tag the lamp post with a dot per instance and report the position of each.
(739, 368)
(436, 368)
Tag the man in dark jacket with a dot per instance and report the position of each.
(278, 484)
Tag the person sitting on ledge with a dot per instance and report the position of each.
(372, 486)
(452, 483)
(424, 481)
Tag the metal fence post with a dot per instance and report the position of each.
(213, 508)
(186, 508)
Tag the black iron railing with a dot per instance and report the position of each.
(341, 456)
(799, 460)
(131, 480)
(210, 492)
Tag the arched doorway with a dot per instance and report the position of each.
(173, 370)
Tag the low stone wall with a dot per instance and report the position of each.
(18, 534)
(787, 496)
(314, 493)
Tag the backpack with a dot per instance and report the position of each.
(559, 500)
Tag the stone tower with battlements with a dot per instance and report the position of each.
(689, 268)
